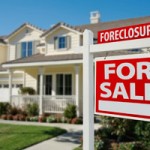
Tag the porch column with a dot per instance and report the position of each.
(10, 85)
(77, 67)
(41, 73)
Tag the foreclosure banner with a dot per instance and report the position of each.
(124, 33)
(123, 87)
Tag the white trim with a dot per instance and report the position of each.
(123, 45)
(61, 26)
(66, 62)
(28, 26)
(122, 57)
(15, 72)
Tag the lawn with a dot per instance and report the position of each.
(17, 137)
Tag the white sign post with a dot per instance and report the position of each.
(88, 102)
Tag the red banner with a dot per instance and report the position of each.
(124, 33)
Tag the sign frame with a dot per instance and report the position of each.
(115, 114)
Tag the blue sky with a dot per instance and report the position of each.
(44, 13)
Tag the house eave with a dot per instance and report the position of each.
(34, 64)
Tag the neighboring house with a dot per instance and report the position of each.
(49, 63)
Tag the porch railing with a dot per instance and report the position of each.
(51, 104)
(57, 104)
(22, 100)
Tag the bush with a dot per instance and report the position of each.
(50, 119)
(4, 107)
(70, 111)
(9, 117)
(34, 119)
(14, 110)
(27, 90)
(122, 129)
(130, 146)
(32, 109)
(4, 117)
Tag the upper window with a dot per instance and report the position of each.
(26, 49)
(62, 42)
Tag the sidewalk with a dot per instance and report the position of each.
(67, 141)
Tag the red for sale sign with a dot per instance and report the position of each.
(123, 88)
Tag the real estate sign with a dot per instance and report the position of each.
(123, 88)
(124, 33)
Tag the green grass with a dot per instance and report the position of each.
(78, 148)
(17, 137)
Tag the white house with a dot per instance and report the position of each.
(46, 60)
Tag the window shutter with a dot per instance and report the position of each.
(34, 47)
(18, 50)
(55, 42)
(68, 42)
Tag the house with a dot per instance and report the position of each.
(47, 61)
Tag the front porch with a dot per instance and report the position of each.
(55, 86)
(50, 104)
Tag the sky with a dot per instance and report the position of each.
(45, 13)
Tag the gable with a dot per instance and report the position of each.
(25, 34)
(73, 40)
(58, 26)
(24, 30)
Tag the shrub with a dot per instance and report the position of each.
(70, 111)
(4, 117)
(22, 117)
(32, 109)
(14, 110)
(50, 119)
(130, 146)
(4, 107)
(121, 128)
(79, 121)
(76, 121)
(16, 117)
(42, 119)
(63, 120)
(27, 90)
(34, 119)
(9, 117)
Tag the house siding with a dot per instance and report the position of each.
(3, 53)
(22, 36)
(75, 41)
(31, 78)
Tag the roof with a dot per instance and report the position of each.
(66, 57)
(2, 69)
(61, 24)
(23, 25)
(42, 58)
(102, 25)
(113, 24)
(2, 40)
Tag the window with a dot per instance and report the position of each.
(64, 84)
(47, 83)
(26, 49)
(62, 42)
(19, 85)
(6, 86)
